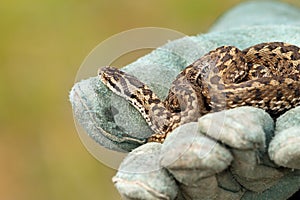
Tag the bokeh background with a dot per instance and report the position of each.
(42, 45)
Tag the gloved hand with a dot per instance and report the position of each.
(234, 154)
(223, 156)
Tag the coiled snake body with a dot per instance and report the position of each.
(266, 76)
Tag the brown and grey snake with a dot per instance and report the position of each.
(265, 75)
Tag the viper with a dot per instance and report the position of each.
(265, 76)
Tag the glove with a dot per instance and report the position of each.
(240, 156)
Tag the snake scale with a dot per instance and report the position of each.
(265, 75)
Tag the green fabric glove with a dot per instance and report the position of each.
(218, 157)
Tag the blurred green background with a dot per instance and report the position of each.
(42, 46)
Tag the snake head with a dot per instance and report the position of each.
(109, 75)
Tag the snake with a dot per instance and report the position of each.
(266, 76)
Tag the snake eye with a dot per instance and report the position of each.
(115, 77)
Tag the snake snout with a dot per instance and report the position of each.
(109, 73)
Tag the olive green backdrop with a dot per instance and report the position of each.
(42, 44)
